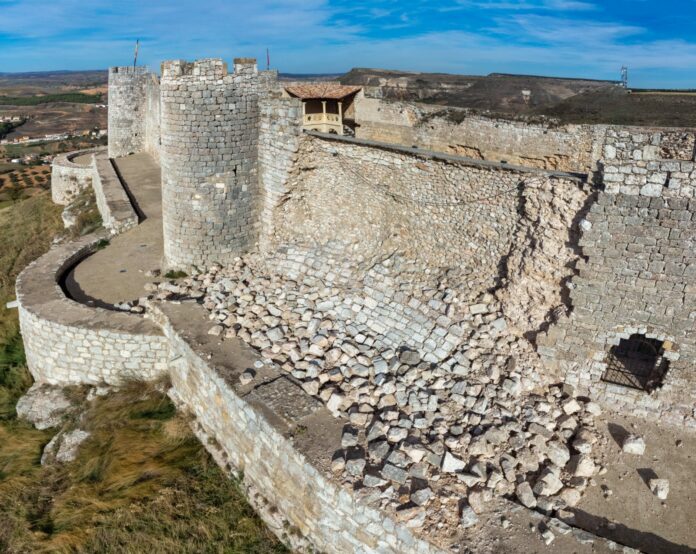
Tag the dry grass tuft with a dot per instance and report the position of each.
(141, 483)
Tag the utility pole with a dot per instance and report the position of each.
(135, 58)
(624, 76)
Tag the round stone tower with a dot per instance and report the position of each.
(127, 96)
(209, 130)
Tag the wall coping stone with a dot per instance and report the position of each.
(114, 205)
(430, 154)
(66, 160)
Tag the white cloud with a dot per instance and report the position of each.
(530, 5)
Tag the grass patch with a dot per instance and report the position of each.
(141, 483)
(88, 217)
(175, 274)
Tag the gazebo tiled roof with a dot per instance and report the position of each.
(332, 91)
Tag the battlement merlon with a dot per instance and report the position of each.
(128, 70)
(214, 68)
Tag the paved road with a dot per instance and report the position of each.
(117, 273)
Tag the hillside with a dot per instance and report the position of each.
(568, 100)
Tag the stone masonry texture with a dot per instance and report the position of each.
(69, 343)
(127, 110)
(398, 235)
(639, 274)
(209, 127)
(457, 131)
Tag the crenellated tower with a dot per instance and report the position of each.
(127, 107)
(209, 152)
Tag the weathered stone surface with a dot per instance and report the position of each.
(44, 406)
(633, 444)
(660, 488)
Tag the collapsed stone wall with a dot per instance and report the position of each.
(377, 201)
(456, 131)
(638, 277)
(253, 428)
(209, 128)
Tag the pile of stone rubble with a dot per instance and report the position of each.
(480, 421)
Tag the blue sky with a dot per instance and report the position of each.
(583, 38)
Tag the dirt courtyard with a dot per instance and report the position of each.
(621, 506)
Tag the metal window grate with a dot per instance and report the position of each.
(636, 362)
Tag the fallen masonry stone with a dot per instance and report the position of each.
(548, 484)
(275, 334)
(525, 495)
(371, 480)
(246, 377)
(571, 406)
(43, 405)
(558, 453)
(452, 464)
(582, 466)
(468, 517)
(335, 402)
(548, 536)
(349, 438)
(409, 357)
(570, 496)
(421, 496)
(394, 473)
(660, 488)
(378, 450)
(355, 466)
(633, 444)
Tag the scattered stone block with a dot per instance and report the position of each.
(633, 444)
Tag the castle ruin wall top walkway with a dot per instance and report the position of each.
(118, 273)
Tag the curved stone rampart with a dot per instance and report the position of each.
(68, 178)
(70, 343)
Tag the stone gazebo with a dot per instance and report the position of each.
(324, 105)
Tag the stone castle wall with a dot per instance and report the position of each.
(134, 112)
(115, 208)
(127, 110)
(70, 343)
(209, 128)
(375, 200)
(639, 275)
(152, 140)
(280, 132)
(455, 131)
(68, 178)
